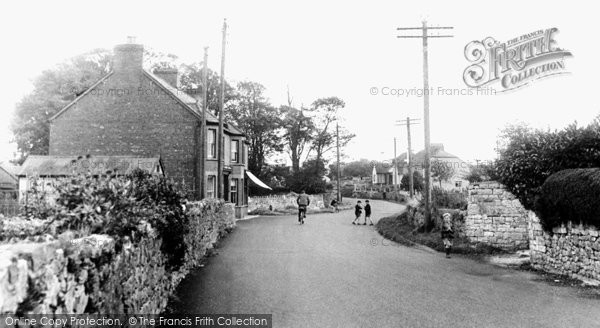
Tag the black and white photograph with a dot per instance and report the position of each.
(266, 163)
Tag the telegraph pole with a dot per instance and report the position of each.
(339, 173)
(221, 147)
(395, 162)
(409, 122)
(203, 124)
(424, 28)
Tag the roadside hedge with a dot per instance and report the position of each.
(529, 156)
(570, 195)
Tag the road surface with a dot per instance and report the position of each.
(330, 273)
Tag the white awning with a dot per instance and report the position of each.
(257, 181)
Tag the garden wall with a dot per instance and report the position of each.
(572, 250)
(282, 202)
(495, 217)
(94, 274)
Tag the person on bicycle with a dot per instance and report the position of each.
(303, 202)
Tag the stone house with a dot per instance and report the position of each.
(134, 112)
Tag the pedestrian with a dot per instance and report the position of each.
(447, 233)
(303, 201)
(357, 212)
(368, 212)
(334, 204)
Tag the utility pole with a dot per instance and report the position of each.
(221, 147)
(409, 122)
(395, 162)
(339, 173)
(203, 125)
(426, 163)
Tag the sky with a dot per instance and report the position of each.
(328, 48)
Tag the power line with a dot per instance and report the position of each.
(425, 36)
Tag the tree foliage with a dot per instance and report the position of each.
(442, 171)
(255, 116)
(53, 90)
(325, 114)
(418, 182)
(528, 157)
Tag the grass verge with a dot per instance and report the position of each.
(399, 229)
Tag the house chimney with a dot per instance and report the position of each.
(128, 57)
(169, 75)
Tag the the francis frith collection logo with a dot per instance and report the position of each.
(516, 62)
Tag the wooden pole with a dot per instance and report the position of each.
(221, 150)
(411, 183)
(203, 152)
(339, 173)
(427, 135)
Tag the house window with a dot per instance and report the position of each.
(235, 151)
(458, 184)
(211, 186)
(212, 143)
(233, 191)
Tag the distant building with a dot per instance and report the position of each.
(8, 179)
(437, 153)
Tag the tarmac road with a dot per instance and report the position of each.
(330, 273)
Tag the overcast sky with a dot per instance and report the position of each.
(323, 49)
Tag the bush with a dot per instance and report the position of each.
(417, 182)
(570, 195)
(130, 206)
(449, 199)
(529, 156)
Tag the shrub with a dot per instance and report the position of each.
(449, 199)
(530, 156)
(417, 182)
(132, 206)
(570, 195)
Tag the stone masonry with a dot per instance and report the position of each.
(93, 274)
(495, 217)
(571, 250)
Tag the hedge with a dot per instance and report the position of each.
(570, 195)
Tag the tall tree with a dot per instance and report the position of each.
(53, 90)
(442, 171)
(297, 132)
(325, 114)
(260, 121)
(191, 82)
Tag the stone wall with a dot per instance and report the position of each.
(282, 202)
(95, 274)
(495, 217)
(572, 250)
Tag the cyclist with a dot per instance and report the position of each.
(303, 202)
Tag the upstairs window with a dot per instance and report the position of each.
(212, 143)
(235, 151)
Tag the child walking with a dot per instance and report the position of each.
(447, 233)
(368, 212)
(357, 212)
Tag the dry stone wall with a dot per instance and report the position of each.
(283, 202)
(495, 217)
(94, 274)
(572, 250)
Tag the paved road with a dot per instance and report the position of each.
(329, 273)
